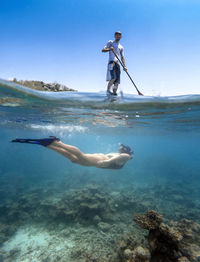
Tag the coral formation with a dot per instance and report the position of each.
(172, 242)
(151, 220)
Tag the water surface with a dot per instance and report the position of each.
(163, 175)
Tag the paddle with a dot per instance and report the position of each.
(139, 93)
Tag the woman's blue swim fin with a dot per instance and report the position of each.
(42, 142)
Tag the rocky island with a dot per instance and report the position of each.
(42, 86)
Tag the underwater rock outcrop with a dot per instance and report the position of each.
(172, 242)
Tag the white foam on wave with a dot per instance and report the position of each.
(59, 129)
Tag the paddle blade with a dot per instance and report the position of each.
(139, 93)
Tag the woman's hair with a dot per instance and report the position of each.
(126, 149)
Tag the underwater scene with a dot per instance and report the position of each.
(52, 209)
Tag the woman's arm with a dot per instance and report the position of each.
(119, 160)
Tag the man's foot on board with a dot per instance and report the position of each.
(111, 93)
(42, 142)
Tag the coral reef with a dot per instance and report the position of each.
(172, 242)
(92, 223)
(150, 221)
(90, 205)
(86, 217)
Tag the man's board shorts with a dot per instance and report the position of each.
(113, 72)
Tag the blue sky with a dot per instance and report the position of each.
(61, 40)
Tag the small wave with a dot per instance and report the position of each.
(93, 100)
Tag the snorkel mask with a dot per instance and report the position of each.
(126, 150)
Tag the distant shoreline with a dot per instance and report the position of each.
(42, 86)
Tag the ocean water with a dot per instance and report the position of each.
(164, 174)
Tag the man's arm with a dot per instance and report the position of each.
(108, 47)
(120, 160)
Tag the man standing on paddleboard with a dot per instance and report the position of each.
(115, 50)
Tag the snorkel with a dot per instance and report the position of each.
(126, 150)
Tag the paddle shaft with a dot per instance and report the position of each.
(139, 93)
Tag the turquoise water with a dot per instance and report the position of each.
(163, 132)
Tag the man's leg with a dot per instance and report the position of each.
(110, 83)
(117, 80)
(115, 88)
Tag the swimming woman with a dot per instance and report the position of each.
(111, 160)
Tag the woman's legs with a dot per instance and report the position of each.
(71, 149)
(71, 152)
(65, 153)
